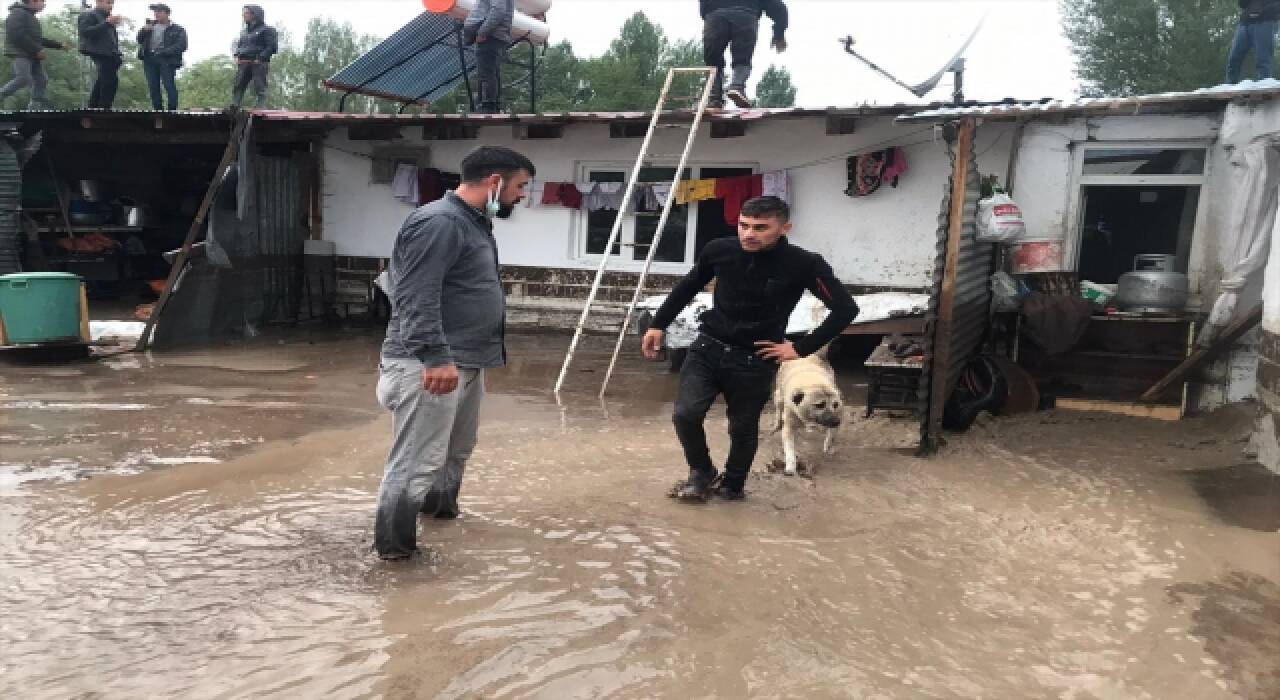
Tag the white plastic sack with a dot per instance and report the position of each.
(1000, 220)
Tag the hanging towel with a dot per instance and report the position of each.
(430, 185)
(565, 194)
(606, 195)
(895, 166)
(695, 191)
(404, 186)
(644, 199)
(660, 193)
(776, 185)
(735, 191)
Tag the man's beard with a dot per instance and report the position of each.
(505, 211)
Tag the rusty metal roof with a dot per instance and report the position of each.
(576, 117)
(1209, 98)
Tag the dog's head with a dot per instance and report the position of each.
(818, 405)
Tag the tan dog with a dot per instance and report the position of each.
(805, 395)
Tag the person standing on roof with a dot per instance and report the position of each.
(735, 25)
(100, 42)
(160, 47)
(258, 42)
(488, 26)
(24, 44)
(1256, 31)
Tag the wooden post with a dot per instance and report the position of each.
(85, 334)
(4, 334)
(197, 225)
(942, 331)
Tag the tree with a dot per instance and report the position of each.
(775, 89)
(207, 84)
(1130, 47)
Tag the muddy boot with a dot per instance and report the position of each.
(697, 488)
(732, 487)
(441, 505)
(738, 95)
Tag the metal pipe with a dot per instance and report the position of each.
(662, 225)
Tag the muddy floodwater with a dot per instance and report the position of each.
(198, 525)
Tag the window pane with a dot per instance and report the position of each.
(1144, 161)
(672, 246)
(600, 223)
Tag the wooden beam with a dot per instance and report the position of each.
(1229, 335)
(197, 226)
(943, 327)
(85, 334)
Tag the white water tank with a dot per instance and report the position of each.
(523, 26)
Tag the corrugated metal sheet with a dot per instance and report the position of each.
(970, 311)
(573, 117)
(419, 63)
(281, 232)
(10, 203)
(1206, 98)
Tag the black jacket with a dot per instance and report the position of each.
(257, 42)
(23, 35)
(170, 52)
(1254, 11)
(756, 293)
(776, 9)
(97, 37)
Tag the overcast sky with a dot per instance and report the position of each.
(1019, 53)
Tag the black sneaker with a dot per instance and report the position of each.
(730, 493)
(738, 95)
(715, 104)
(697, 488)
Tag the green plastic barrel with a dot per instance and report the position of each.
(40, 307)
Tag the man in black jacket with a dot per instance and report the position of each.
(258, 42)
(24, 44)
(760, 278)
(99, 41)
(1256, 31)
(734, 25)
(160, 47)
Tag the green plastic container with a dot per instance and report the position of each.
(40, 307)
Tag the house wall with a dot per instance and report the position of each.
(885, 240)
(1242, 124)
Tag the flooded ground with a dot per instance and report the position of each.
(198, 525)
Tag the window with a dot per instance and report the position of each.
(1137, 200)
(688, 228)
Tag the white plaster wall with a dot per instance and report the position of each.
(886, 239)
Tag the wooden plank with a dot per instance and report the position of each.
(1229, 335)
(85, 333)
(1167, 413)
(197, 225)
(947, 299)
(4, 334)
(910, 325)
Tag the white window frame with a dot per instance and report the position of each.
(623, 262)
(1195, 261)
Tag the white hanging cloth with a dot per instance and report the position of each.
(1248, 240)
(404, 186)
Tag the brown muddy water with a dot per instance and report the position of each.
(198, 525)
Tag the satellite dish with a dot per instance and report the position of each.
(955, 65)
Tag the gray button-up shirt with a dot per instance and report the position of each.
(447, 304)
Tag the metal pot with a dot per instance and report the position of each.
(131, 214)
(1151, 290)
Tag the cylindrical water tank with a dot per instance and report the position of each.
(522, 26)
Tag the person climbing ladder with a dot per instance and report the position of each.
(735, 25)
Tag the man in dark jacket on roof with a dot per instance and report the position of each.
(734, 25)
(161, 44)
(100, 42)
(488, 26)
(1256, 32)
(24, 44)
(258, 42)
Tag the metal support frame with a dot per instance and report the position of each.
(644, 156)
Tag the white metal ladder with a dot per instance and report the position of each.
(709, 75)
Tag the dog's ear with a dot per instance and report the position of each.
(797, 398)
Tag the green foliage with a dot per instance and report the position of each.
(1132, 47)
(775, 89)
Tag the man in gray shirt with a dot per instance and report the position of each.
(447, 326)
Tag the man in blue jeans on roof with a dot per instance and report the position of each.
(1257, 31)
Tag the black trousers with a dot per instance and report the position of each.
(255, 74)
(106, 83)
(738, 31)
(712, 369)
(489, 57)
